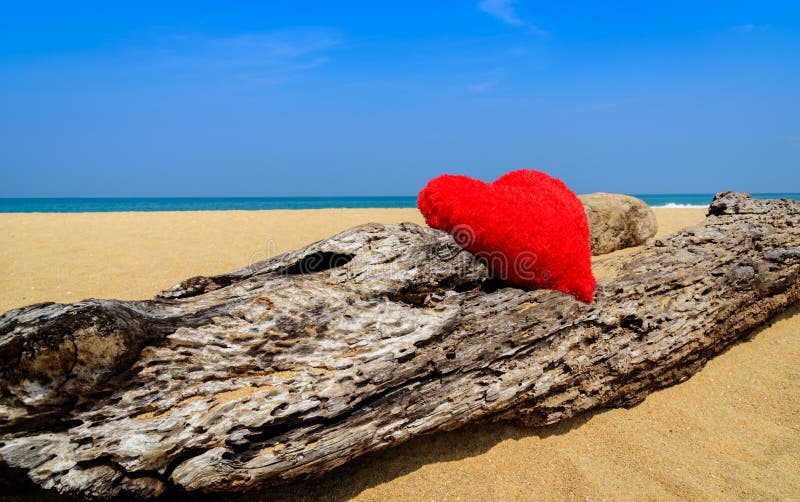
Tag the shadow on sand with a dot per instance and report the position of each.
(347, 481)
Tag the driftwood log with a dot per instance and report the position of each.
(297, 364)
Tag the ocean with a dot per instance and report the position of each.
(95, 205)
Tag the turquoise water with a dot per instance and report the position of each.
(700, 200)
(94, 205)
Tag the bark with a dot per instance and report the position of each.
(297, 364)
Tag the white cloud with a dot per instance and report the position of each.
(279, 75)
(502, 10)
(255, 59)
(252, 47)
(749, 28)
(310, 65)
(288, 44)
(612, 103)
(480, 87)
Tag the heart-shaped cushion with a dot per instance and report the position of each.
(528, 227)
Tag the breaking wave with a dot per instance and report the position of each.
(677, 205)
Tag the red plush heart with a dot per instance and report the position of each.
(528, 227)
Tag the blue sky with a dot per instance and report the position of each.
(289, 98)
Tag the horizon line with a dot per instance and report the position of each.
(133, 197)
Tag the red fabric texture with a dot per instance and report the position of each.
(528, 227)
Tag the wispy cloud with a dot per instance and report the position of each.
(612, 103)
(481, 87)
(502, 10)
(505, 11)
(792, 139)
(750, 28)
(286, 44)
(279, 75)
(254, 59)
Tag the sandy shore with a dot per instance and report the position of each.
(65, 257)
(731, 431)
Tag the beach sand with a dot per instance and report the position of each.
(732, 431)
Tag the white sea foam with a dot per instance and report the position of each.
(676, 205)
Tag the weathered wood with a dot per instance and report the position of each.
(297, 364)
